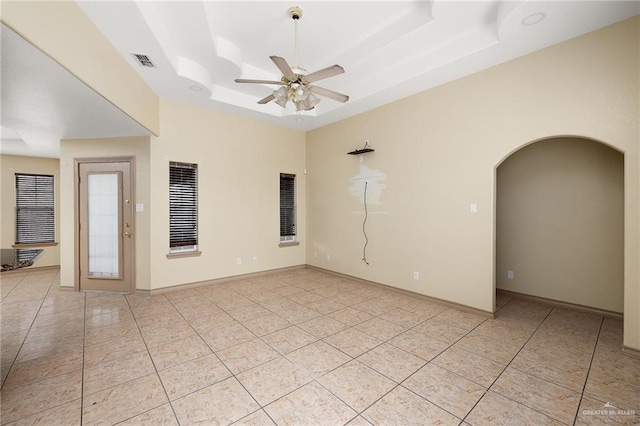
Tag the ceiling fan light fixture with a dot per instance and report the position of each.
(281, 101)
(302, 92)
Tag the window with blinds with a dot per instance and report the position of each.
(183, 207)
(35, 209)
(287, 207)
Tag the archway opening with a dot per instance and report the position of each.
(560, 223)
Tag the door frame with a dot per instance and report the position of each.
(76, 213)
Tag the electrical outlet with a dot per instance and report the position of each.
(328, 258)
(238, 261)
(416, 276)
(510, 275)
(315, 254)
(255, 259)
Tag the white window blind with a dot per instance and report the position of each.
(287, 207)
(35, 209)
(183, 206)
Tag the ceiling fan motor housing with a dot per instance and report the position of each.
(295, 12)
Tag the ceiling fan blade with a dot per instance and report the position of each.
(329, 93)
(284, 67)
(267, 99)
(244, 80)
(324, 73)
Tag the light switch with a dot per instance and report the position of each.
(473, 208)
(139, 207)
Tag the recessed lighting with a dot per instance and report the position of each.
(534, 18)
(196, 88)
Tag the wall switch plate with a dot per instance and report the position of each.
(473, 208)
(510, 275)
(238, 261)
(416, 276)
(139, 207)
(255, 259)
(328, 258)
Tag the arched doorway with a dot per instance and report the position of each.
(560, 223)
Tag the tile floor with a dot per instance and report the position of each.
(303, 347)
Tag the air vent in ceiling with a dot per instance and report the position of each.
(143, 60)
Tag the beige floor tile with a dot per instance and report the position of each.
(298, 314)
(41, 333)
(194, 375)
(555, 401)
(476, 368)
(570, 376)
(210, 323)
(247, 355)
(231, 301)
(356, 384)
(164, 319)
(226, 337)
(267, 324)
(318, 358)
(67, 414)
(48, 347)
(350, 316)
(488, 347)
(112, 373)
(248, 312)
(403, 318)
(359, 421)
(402, 407)
(310, 405)
(618, 392)
(392, 362)
(165, 335)
(124, 401)
(272, 380)
(161, 416)
(440, 330)
(494, 409)
(178, 351)
(326, 306)
(110, 332)
(380, 328)
(289, 339)
(257, 418)
(376, 306)
(36, 397)
(221, 403)
(322, 326)
(594, 412)
(461, 319)
(617, 365)
(352, 342)
(418, 344)
(447, 390)
(42, 368)
(113, 349)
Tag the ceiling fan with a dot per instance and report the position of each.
(296, 83)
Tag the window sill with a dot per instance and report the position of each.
(33, 245)
(289, 244)
(184, 254)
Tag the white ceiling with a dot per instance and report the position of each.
(42, 103)
(389, 50)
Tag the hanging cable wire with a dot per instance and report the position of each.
(364, 231)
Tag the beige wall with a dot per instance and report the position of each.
(439, 150)
(10, 165)
(70, 150)
(560, 222)
(63, 31)
(239, 165)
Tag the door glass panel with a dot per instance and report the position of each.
(103, 217)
